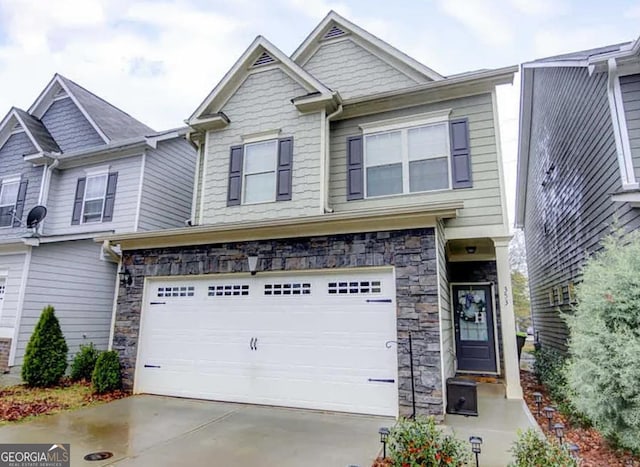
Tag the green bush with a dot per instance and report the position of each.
(604, 370)
(421, 443)
(531, 449)
(84, 362)
(45, 359)
(106, 375)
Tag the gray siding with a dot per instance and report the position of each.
(82, 295)
(263, 103)
(630, 86)
(69, 127)
(348, 68)
(13, 266)
(63, 188)
(482, 202)
(12, 163)
(167, 187)
(571, 130)
(444, 294)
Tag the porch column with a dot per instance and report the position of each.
(508, 321)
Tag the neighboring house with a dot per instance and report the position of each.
(98, 171)
(364, 188)
(578, 169)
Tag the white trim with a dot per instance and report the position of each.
(502, 188)
(557, 64)
(628, 69)
(495, 326)
(631, 197)
(33, 140)
(621, 135)
(408, 121)
(3, 283)
(143, 163)
(114, 307)
(99, 170)
(20, 305)
(197, 187)
(459, 233)
(440, 313)
(261, 136)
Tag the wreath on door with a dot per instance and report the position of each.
(470, 306)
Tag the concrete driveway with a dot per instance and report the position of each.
(164, 431)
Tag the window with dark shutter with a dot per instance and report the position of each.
(355, 174)
(110, 197)
(20, 200)
(9, 191)
(78, 201)
(234, 194)
(460, 154)
(285, 172)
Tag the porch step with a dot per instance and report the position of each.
(487, 385)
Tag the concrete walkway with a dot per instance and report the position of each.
(497, 423)
(161, 431)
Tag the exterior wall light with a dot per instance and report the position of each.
(253, 263)
(471, 249)
(125, 278)
(476, 447)
(548, 413)
(384, 437)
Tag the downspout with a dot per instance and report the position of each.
(327, 159)
(44, 188)
(116, 256)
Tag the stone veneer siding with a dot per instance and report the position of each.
(412, 252)
(481, 271)
(5, 348)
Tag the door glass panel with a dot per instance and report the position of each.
(471, 313)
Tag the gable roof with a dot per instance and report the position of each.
(333, 24)
(111, 123)
(35, 130)
(253, 58)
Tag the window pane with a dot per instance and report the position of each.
(260, 188)
(383, 149)
(93, 210)
(260, 157)
(428, 141)
(6, 219)
(9, 194)
(384, 180)
(96, 187)
(430, 174)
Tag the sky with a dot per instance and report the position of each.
(158, 59)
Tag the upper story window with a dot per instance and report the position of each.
(8, 201)
(95, 198)
(413, 154)
(407, 160)
(260, 172)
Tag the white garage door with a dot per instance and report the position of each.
(312, 341)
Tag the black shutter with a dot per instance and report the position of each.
(79, 198)
(355, 174)
(234, 194)
(460, 154)
(285, 163)
(19, 209)
(110, 197)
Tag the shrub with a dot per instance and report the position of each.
(420, 442)
(45, 358)
(84, 362)
(106, 375)
(531, 449)
(605, 340)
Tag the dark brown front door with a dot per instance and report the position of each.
(473, 321)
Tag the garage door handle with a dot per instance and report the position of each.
(253, 343)
(378, 300)
(152, 366)
(381, 380)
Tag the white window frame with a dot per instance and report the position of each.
(3, 287)
(403, 125)
(8, 181)
(85, 199)
(245, 173)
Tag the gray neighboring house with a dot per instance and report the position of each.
(365, 190)
(98, 171)
(578, 169)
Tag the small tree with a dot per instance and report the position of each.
(106, 375)
(45, 359)
(604, 369)
(84, 362)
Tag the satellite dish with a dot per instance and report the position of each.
(35, 216)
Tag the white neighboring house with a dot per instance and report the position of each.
(97, 170)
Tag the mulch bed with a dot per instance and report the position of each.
(595, 451)
(18, 402)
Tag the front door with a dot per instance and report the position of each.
(473, 321)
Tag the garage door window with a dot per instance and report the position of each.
(182, 291)
(229, 290)
(354, 287)
(295, 288)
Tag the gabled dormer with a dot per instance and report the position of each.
(355, 63)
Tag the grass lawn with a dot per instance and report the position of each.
(20, 403)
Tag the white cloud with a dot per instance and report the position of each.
(482, 17)
(549, 42)
(633, 12)
(541, 7)
(317, 9)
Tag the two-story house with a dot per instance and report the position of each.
(97, 170)
(578, 169)
(346, 197)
